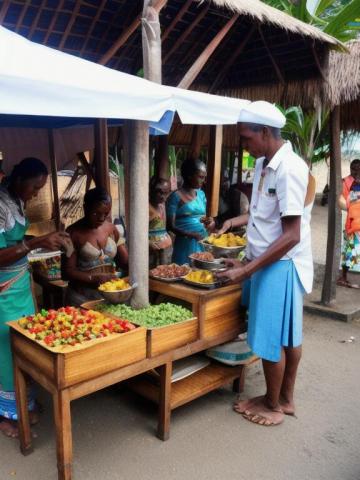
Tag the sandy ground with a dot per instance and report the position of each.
(114, 430)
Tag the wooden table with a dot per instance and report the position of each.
(219, 321)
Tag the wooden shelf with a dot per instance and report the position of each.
(183, 391)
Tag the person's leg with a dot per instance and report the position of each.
(292, 360)
(267, 410)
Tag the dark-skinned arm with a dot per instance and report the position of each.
(52, 241)
(289, 238)
(71, 272)
(171, 227)
(234, 223)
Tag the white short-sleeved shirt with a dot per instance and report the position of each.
(279, 190)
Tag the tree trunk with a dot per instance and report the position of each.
(138, 163)
(334, 213)
(138, 148)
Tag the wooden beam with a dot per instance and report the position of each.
(36, 20)
(176, 19)
(334, 213)
(3, 10)
(102, 178)
(70, 24)
(120, 41)
(158, 5)
(93, 23)
(214, 170)
(21, 16)
(54, 179)
(196, 68)
(275, 65)
(225, 68)
(318, 64)
(53, 21)
(187, 32)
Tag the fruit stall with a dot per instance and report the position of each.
(73, 352)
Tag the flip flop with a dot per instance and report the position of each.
(345, 283)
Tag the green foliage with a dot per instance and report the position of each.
(308, 133)
(335, 17)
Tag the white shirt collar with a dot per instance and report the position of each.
(278, 157)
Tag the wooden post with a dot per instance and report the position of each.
(334, 213)
(54, 179)
(102, 178)
(162, 157)
(138, 157)
(214, 170)
(196, 139)
(240, 164)
(139, 211)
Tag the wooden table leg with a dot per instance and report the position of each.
(238, 384)
(164, 401)
(22, 410)
(62, 414)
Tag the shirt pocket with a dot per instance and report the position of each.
(268, 206)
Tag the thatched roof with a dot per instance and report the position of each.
(264, 46)
(343, 86)
(266, 14)
(344, 76)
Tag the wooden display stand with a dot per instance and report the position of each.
(74, 374)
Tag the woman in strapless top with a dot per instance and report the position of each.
(98, 249)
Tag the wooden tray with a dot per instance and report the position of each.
(169, 337)
(162, 339)
(68, 365)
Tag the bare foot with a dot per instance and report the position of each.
(9, 428)
(345, 283)
(261, 414)
(34, 417)
(242, 405)
(287, 407)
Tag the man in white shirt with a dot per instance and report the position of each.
(279, 265)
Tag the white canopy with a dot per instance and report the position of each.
(38, 80)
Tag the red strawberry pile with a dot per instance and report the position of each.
(70, 325)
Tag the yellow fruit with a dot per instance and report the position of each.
(200, 276)
(226, 240)
(114, 285)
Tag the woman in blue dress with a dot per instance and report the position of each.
(186, 212)
(16, 299)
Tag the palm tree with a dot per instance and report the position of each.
(335, 17)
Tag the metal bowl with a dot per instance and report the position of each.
(225, 252)
(119, 296)
(212, 265)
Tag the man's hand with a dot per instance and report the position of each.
(236, 271)
(235, 275)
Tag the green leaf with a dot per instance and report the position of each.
(340, 23)
(322, 5)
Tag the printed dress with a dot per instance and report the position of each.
(15, 296)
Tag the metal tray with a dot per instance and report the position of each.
(166, 280)
(208, 286)
(212, 265)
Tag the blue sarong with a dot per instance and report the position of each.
(274, 297)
